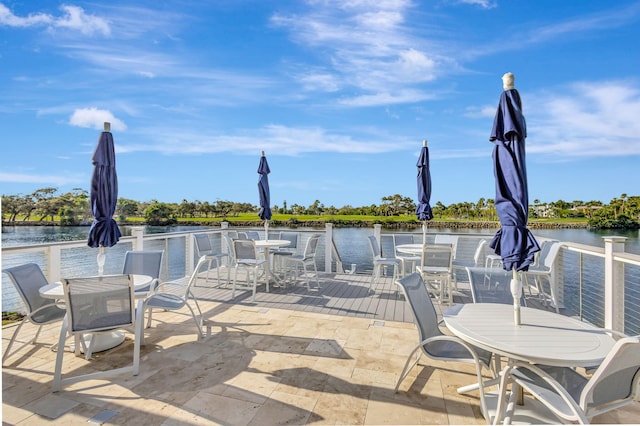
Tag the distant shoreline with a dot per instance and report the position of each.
(337, 223)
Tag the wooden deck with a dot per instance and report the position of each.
(339, 294)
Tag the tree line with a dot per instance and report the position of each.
(73, 208)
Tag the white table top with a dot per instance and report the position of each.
(417, 248)
(55, 291)
(543, 337)
(272, 243)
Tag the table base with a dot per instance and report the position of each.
(532, 412)
(104, 341)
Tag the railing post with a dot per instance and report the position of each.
(138, 233)
(224, 227)
(377, 232)
(54, 263)
(189, 254)
(613, 284)
(328, 241)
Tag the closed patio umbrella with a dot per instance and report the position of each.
(265, 196)
(104, 230)
(423, 210)
(513, 242)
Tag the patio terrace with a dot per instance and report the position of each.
(292, 357)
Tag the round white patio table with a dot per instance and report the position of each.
(417, 248)
(266, 245)
(106, 340)
(543, 337)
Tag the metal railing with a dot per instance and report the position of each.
(601, 285)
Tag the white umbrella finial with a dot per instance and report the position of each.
(424, 142)
(508, 80)
(263, 153)
(107, 126)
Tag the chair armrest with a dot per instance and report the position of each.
(161, 287)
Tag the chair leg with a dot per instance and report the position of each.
(57, 373)
(315, 270)
(13, 338)
(407, 368)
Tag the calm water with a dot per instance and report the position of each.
(349, 240)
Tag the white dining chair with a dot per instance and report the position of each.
(96, 305)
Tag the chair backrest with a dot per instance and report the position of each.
(203, 244)
(491, 285)
(616, 379)
(292, 237)
(99, 303)
(253, 235)
(424, 314)
(440, 256)
(143, 262)
(550, 258)
(27, 279)
(478, 254)
(448, 239)
(244, 250)
(311, 246)
(399, 239)
(229, 239)
(375, 247)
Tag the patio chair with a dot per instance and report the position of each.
(435, 268)
(406, 259)
(245, 255)
(491, 285)
(97, 305)
(174, 295)
(446, 239)
(204, 248)
(436, 345)
(545, 271)
(27, 279)
(249, 235)
(380, 262)
(573, 397)
(280, 254)
(306, 259)
(143, 262)
(478, 258)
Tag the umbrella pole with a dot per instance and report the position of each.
(100, 259)
(266, 229)
(516, 291)
(424, 232)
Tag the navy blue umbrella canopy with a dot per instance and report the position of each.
(513, 242)
(423, 210)
(104, 230)
(263, 189)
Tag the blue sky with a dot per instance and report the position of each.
(339, 95)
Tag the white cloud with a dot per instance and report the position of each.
(73, 18)
(366, 45)
(95, 118)
(41, 179)
(586, 119)
(485, 4)
(284, 140)
(9, 19)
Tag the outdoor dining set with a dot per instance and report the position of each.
(572, 368)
